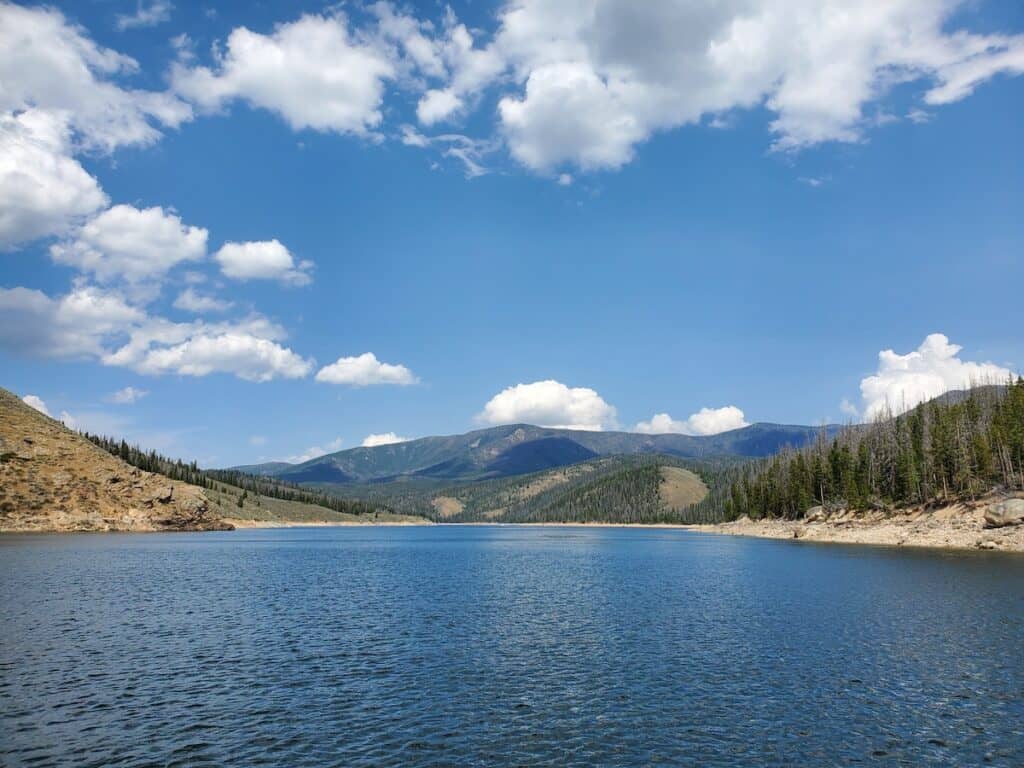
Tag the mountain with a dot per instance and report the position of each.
(266, 469)
(516, 449)
(53, 479)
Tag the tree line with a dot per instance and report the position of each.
(956, 447)
(189, 472)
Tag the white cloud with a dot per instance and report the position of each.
(77, 325)
(315, 72)
(157, 12)
(66, 418)
(89, 323)
(904, 381)
(565, 179)
(191, 300)
(245, 355)
(849, 409)
(37, 403)
(315, 452)
(49, 64)
(365, 370)
(257, 440)
(43, 190)
(132, 244)
(549, 404)
(437, 105)
(472, 153)
(814, 181)
(385, 438)
(919, 116)
(594, 78)
(265, 260)
(128, 395)
(706, 421)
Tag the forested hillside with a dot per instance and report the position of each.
(615, 489)
(241, 487)
(956, 447)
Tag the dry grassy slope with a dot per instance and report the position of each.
(680, 488)
(52, 479)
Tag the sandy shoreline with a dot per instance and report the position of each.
(957, 526)
(243, 524)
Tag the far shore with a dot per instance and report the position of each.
(240, 524)
(955, 527)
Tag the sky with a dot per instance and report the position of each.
(239, 232)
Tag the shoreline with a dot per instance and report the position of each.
(251, 524)
(955, 527)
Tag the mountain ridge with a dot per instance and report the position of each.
(483, 453)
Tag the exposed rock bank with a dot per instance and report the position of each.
(52, 479)
(993, 523)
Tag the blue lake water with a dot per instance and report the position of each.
(494, 645)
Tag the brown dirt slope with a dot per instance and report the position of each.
(52, 479)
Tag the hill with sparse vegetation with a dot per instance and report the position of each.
(53, 479)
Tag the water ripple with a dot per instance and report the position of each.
(503, 646)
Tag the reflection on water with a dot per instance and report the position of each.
(498, 645)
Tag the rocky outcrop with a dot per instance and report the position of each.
(52, 479)
(816, 515)
(1004, 513)
(993, 522)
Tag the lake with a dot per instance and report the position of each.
(492, 645)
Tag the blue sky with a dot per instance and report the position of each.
(582, 214)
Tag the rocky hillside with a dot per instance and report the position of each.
(52, 479)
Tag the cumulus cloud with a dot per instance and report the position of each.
(315, 452)
(156, 12)
(93, 324)
(365, 370)
(49, 64)
(190, 300)
(128, 395)
(237, 352)
(77, 325)
(848, 409)
(314, 72)
(549, 404)
(385, 438)
(59, 98)
(437, 105)
(903, 381)
(132, 244)
(592, 79)
(706, 421)
(43, 190)
(36, 402)
(66, 418)
(264, 260)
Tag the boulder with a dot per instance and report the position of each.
(1004, 513)
(816, 515)
(163, 494)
